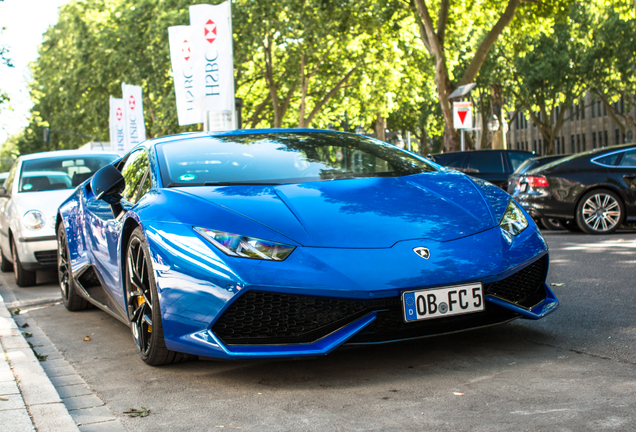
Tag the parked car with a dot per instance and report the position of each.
(288, 243)
(35, 187)
(494, 166)
(594, 190)
(530, 164)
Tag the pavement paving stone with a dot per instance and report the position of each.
(14, 342)
(21, 356)
(79, 402)
(74, 390)
(9, 387)
(52, 418)
(66, 380)
(60, 371)
(17, 420)
(52, 364)
(92, 415)
(13, 402)
(5, 370)
(34, 384)
(109, 426)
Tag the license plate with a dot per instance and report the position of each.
(442, 302)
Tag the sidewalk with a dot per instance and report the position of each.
(28, 399)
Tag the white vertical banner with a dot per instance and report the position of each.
(135, 130)
(214, 64)
(117, 125)
(182, 57)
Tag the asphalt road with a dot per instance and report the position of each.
(573, 371)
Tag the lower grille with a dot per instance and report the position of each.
(46, 257)
(524, 288)
(265, 318)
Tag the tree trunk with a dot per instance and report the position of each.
(380, 126)
(424, 149)
(498, 138)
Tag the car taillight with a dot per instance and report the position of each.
(536, 181)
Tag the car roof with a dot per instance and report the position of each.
(238, 132)
(62, 153)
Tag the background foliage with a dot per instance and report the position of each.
(365, 65)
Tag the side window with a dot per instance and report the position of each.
(629, 159)
(486, 162)
(516, 159)
(134, 172)
(8, 183)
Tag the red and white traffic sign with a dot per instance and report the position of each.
(462, 115)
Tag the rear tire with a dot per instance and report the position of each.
(23, 277)
(5, 265)
(144, 310)
(72, 301)
(600, 211)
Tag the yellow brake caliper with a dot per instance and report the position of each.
(140, 301)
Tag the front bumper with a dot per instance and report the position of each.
(366, 284)
(37, 253)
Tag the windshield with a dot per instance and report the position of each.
(59, 172)
(281, 158)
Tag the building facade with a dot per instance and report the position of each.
(587, 126)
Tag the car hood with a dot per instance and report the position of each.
(361, 213)
(46, 201)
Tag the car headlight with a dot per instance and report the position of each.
(246, 247)
(513, 220)
(34, 220)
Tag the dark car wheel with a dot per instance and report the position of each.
(551, 224)
(600, 212)
(5, 265)
(23, 277)
(144, 312)
(72, 301)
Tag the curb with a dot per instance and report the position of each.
(25, 385)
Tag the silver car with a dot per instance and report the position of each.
(37, 184)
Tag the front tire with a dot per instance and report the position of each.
(551, 224)
(72, 301)
(600, 211)
(23, 277)
(144, 311)
(5, 265)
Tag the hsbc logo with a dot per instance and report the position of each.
(131, 102)
(209, 31)
(186, 50)
(119, 114)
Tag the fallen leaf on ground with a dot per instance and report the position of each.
(134, 412)
(25, 325)
(86, 338)
(27, 334)
(3, 399)
(556, 284)
(15, 312)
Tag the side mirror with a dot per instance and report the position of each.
(108, 184)
(3, 192)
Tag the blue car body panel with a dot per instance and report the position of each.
(354, 241)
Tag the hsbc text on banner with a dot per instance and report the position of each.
(214, 64)
(135, 130)
(462, 115)
(117, 125)
(182, 56)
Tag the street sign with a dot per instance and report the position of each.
(462, 115)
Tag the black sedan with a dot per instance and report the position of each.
(595, 190)
(491, 165)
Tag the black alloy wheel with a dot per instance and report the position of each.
(5, 265)
(600, 211)
(142, 299)
(72, 301)
(23, 277)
